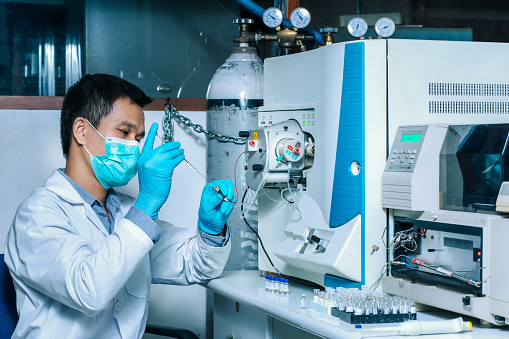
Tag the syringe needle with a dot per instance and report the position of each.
(194, 169)
(187, 162)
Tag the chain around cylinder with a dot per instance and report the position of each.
(168, 127)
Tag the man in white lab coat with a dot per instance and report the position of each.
(82, 256)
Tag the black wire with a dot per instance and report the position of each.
(290, 202)
(252, 229)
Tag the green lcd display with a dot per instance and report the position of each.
(410, 137)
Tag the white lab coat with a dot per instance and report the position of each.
(74, 280)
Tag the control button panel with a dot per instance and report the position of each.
(405, 150)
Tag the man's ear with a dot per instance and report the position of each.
(79, 130)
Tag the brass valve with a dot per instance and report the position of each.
(286, 38)
(328, 31)
(245, 36)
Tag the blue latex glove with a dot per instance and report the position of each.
(214, 212)
(155, 168)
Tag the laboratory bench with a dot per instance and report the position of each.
(243, 309)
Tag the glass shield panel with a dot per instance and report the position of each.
(473, 165)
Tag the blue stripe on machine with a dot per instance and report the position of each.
(348, 190)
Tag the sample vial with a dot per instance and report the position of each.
(271, 284)
(286, 287)
(368, 309)
(387, 308)
(404, 308)
(413, 307)
(315, 295)
(394, 307)
(303, 302)
(374, 308)
(358, 310)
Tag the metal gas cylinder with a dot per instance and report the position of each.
(233, 97)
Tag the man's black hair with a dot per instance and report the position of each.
(92, 97)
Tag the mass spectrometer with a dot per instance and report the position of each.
(324, 134)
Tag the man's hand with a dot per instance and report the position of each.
(214, 211)
(155, 168)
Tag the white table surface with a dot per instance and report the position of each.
(248, 288)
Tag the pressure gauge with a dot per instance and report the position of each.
(272, 17)
(385, 27)
(357, 27)
(300, 17)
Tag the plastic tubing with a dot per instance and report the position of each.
(416, 327)
(288, 181)
(251, 201)
(258, 11)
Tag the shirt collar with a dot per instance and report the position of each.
(111, 199)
